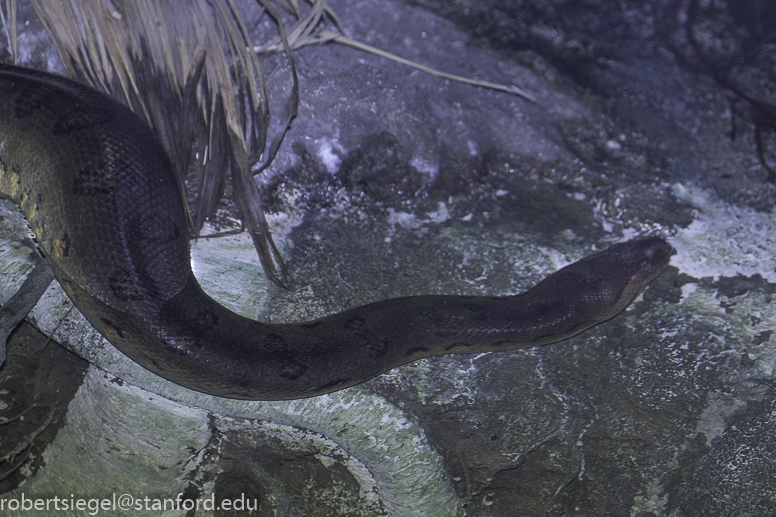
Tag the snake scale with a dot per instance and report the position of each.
(99, 193)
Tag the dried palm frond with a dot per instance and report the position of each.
(196, 81)
(9, 27)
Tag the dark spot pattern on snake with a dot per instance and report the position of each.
(94, 180)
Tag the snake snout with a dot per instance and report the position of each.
(658, 252)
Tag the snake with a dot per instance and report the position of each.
(101, 197)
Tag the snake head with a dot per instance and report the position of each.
(601, 286)
(625, 269)
(644, 259)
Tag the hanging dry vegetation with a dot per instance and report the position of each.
(196, 79)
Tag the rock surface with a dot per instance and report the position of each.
(394, 183)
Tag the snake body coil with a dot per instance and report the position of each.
(99, 193)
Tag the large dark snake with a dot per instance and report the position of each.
(99, 193)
